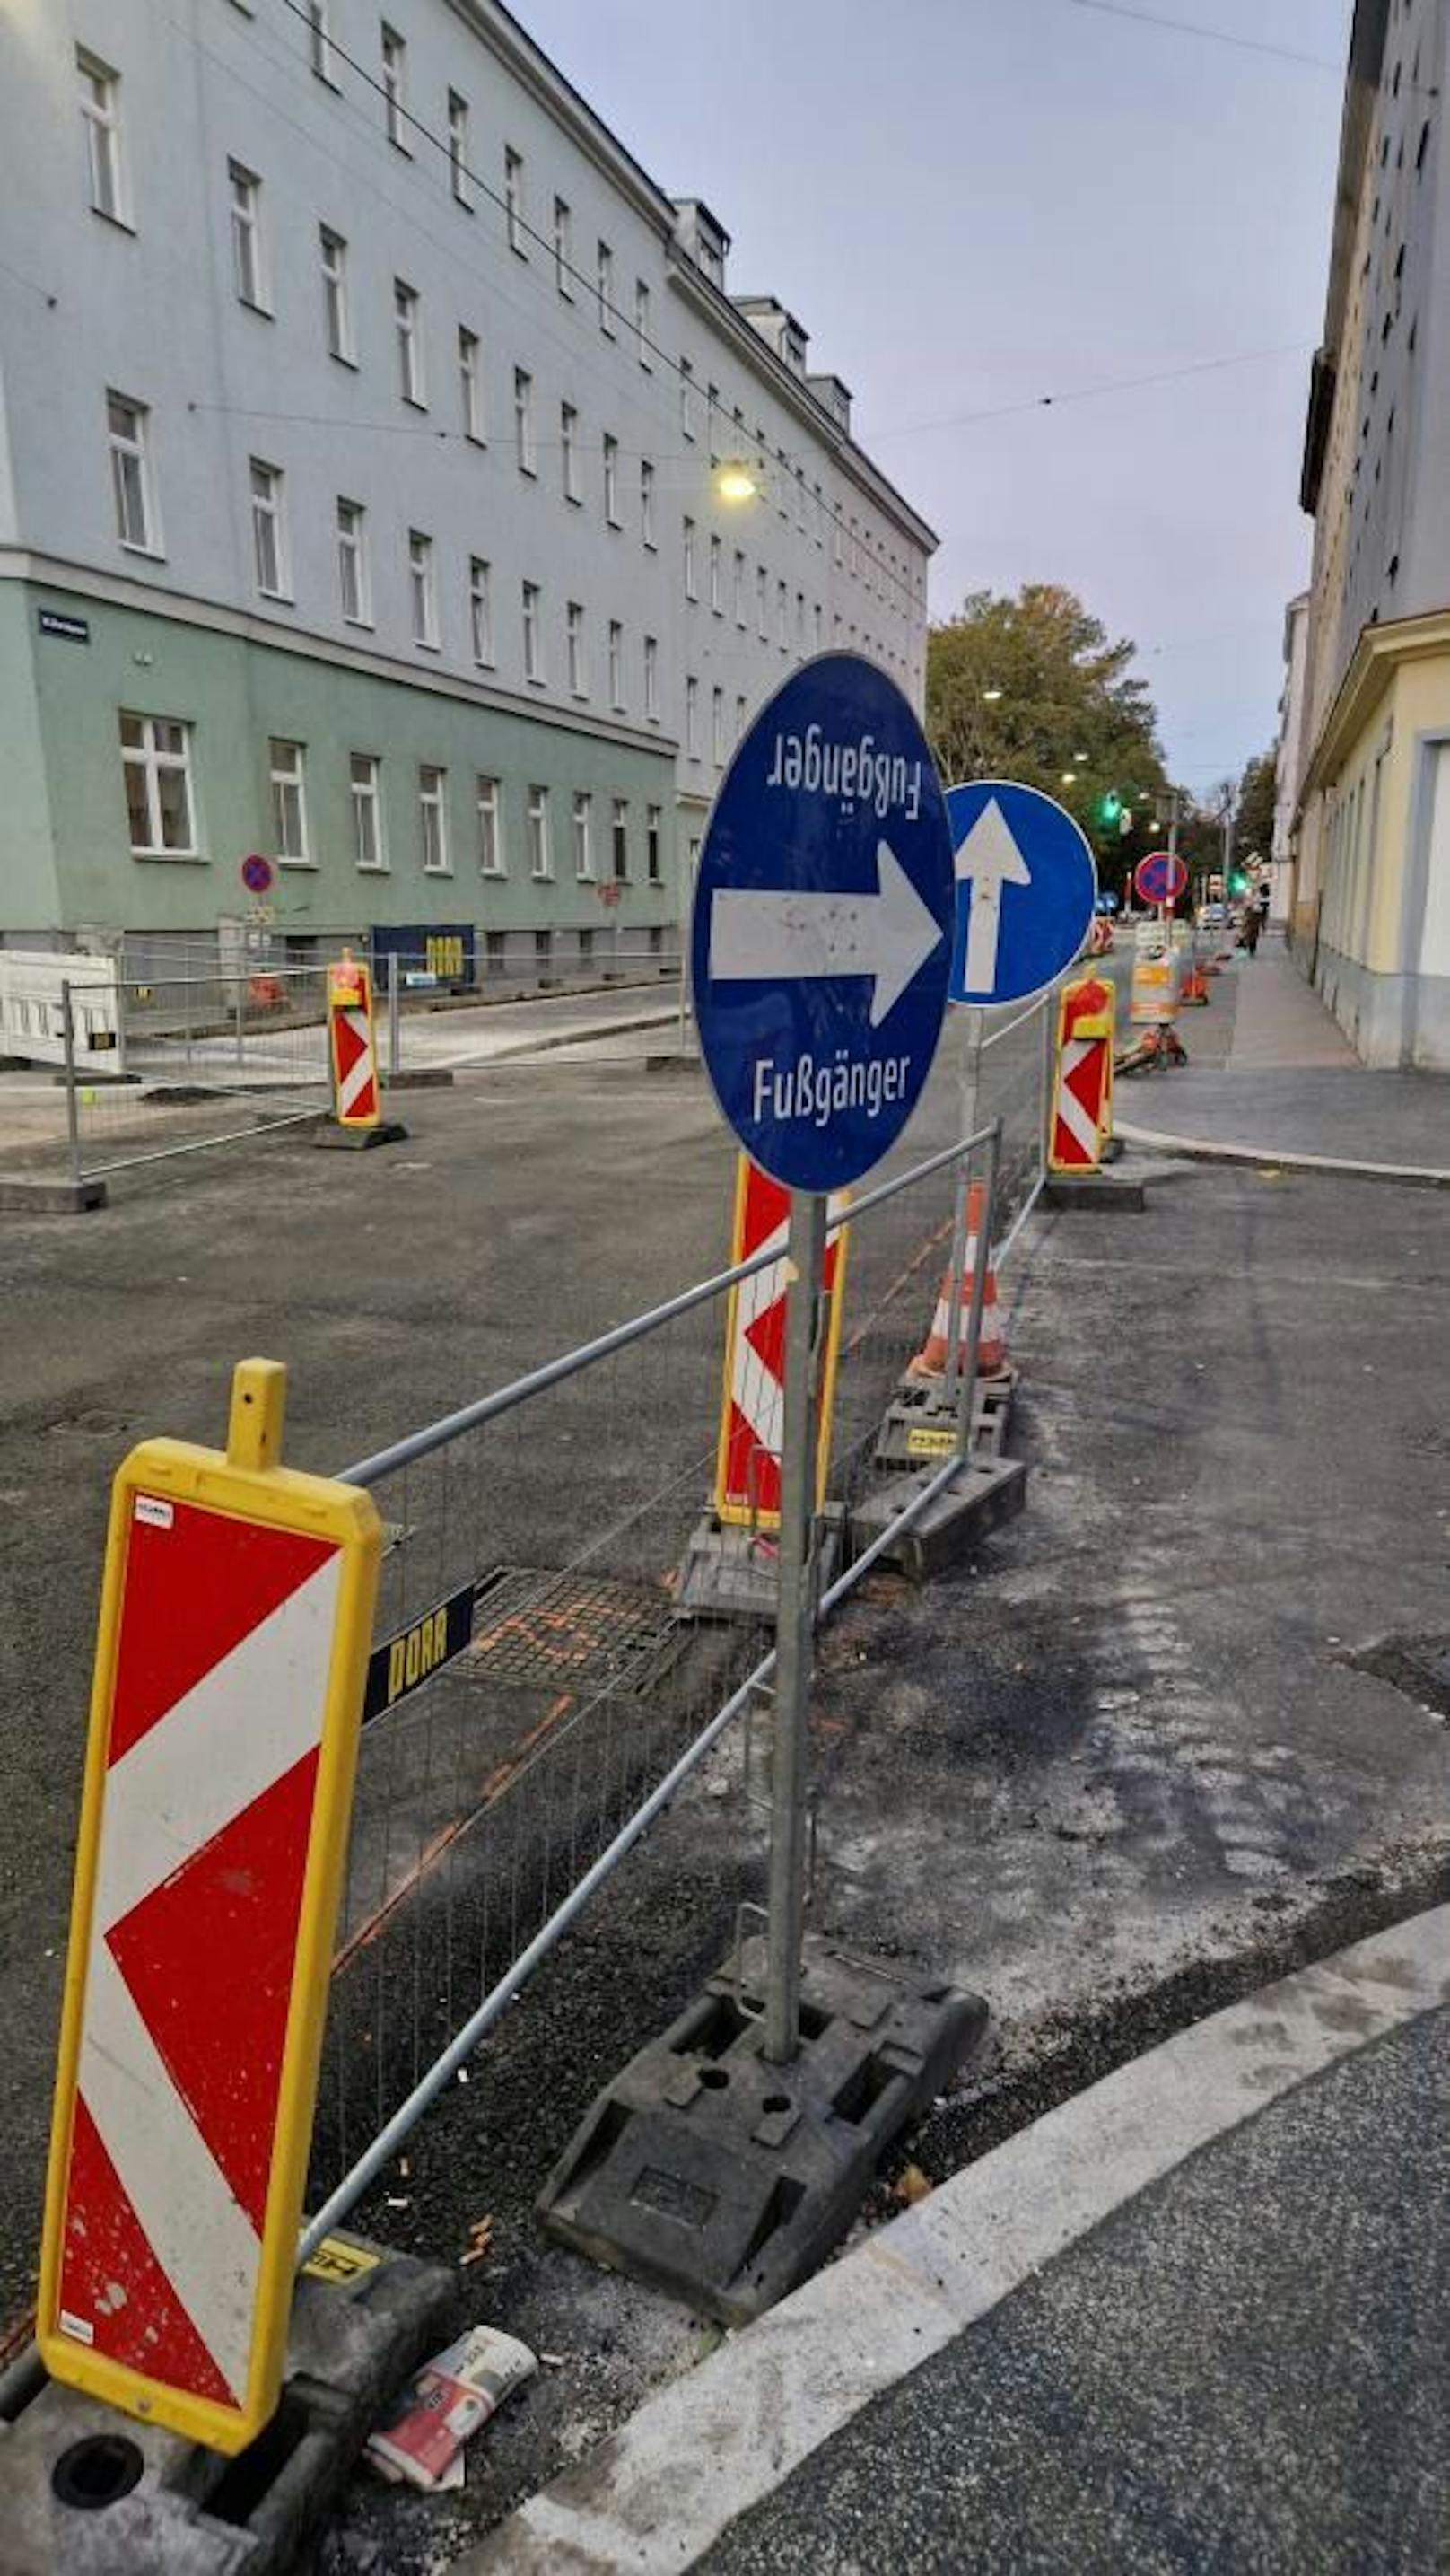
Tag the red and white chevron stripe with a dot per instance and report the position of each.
(1078, 1107)
(354, 1068)
(206, 1823)
(748, 1481)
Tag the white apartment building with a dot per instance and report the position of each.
(389, 484)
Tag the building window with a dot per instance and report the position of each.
(543, 951)
(495, 950)
(583, 846)
(540, 863)
(717, 727)
(619, 838)
(533, 640)
(690, 589)
(246, 200)
(569, 449)
(269, 529)
(513, 198)
(289, 803)
(816, 626)
(647, 501)
(410, 351)
(611, 480)
(433, 820)
(490, 847)
(800, 621)
(712, 406)
(692, 718)
(365, 775)
(641, 324)
(100, 90)
(524, 420)
(716, 600)
(126, 428)
(687, 399)
(574, 641)
(395, 88)
(739, 718)
(336, 318)
(604, 280)
(421, 587)
(352, 563)
(470, 385)
(156, 761)
(480, 610)
(652, 678)
(762, 612)
(586, 947)
(563, 248)
(652, 821)
(737, 589)
(616, 663)
(458, 148)
(319, 41)
(782, 615)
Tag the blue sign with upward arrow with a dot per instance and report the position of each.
(1027, 883)
(821, 939)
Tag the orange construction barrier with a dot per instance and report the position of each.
(931, 1359)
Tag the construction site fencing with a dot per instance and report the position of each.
(540, 1691)
(203, 1060)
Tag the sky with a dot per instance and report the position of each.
(970, 204)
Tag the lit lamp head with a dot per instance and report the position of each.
(734, 481)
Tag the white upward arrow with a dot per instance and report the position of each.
(991, 858)
(761, 937)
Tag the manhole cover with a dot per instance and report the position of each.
(531, 1625)
(1418, 1666)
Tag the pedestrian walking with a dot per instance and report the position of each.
(1253, 924)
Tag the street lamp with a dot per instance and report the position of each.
(735, 483)
(990, 696)
(1069, 777)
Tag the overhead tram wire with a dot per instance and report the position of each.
(1212, 35)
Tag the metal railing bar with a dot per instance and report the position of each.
(1020, 1219)
(488, 1408)
(202, 1144)
(1022, 1018)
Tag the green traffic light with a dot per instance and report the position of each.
(1110, 807)
(1238, 883)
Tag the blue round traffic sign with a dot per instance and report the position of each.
(1027, 883)
(1161, 877)
(821, 939)
(257, 873)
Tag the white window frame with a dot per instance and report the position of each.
(654, 820)
(515, 207)
(564, 248)
(352, 544)
(470, 385)
(366, 794)
(647, 503)
(524, 421)
(395, 88)
(533, 633)
(692, 717)
(611, 480)
(267, 500)
(490, 838)
(737, 588)
(739, 716)
(616, 665)
(287, 778)
(458, 172)
(619, 840)
(480, 610)
(717, 598)
(336, 309)
(319, 34)
(687, 399)
(604, 287)
(249, 260)
(574, 645)
(652, 678)
(717, 727)
(541, 856)
(762, 602)
(583, 836)
(569, 450)
(641, 326)
(423, 589)
(691, 591)
(149, 757)
(433, 819)
(407, 319)
(131, 478)
(100, 106)
(782, 615)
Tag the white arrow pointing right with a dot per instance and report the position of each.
(761, 937)
(991, 858)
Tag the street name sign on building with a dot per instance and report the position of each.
(235, 1616)
(1027, 886)
(821, 937)
(1160, 878)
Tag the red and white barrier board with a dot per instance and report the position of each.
(356, 1098)
(752, 1405)
(235, 1623)
(1082, 1100)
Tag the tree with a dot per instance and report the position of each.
(1254, 828)
(1031, 688)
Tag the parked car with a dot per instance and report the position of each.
(1211, 916)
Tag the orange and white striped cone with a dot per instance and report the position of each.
(931, 1359)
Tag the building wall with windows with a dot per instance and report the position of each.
(1371, 894)
(359, 394)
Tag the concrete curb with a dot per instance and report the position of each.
(546, 1045)
(1421, 1176)
(659, 2493)
(20, 1197)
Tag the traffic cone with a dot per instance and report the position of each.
(931, 1359)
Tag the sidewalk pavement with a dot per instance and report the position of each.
(1194, 2318)
(1287, 1082)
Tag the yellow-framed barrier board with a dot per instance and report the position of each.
(752, 1400)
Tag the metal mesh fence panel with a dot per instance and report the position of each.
(207, 1059)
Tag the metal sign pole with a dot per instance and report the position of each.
(795, 1620)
